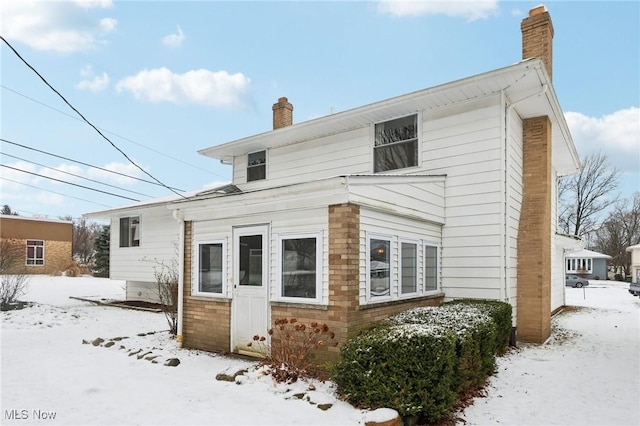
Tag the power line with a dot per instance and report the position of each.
(115, 134)
(84, 164)
(53, 192)
(85, 120)
(78, 176)
(68, 183)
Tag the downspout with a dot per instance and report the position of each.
(504, 137)
(178, 217)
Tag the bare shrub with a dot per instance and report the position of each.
(166, 276)
(288, 356)
(12, 284)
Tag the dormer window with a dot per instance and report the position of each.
(257, 166)
(396, 144)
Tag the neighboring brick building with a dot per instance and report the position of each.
(45, 244)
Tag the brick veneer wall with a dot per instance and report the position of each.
(57, 257)
(206, 323)
(534, 234)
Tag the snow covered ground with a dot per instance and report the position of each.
(588, 373)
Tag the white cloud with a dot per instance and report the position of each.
(64, 27)
(203, 87)
(123, 168)
(470, 10)
(617, 135)
(174, 40)
(92, 82)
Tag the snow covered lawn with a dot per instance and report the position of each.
(588, 373)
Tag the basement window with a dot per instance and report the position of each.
(396, 144)
(257, 166)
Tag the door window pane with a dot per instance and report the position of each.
(250, 260)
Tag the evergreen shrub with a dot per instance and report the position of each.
(407, 367)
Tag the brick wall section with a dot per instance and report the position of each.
(282, 113)
(206, 322)
(57, 257)
(534, 234)
(537, 37)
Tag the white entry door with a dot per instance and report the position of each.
(250, 313)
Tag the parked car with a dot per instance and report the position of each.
(634, 288)
(576, 281)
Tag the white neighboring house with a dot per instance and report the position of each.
(635, 263)
(444, 193)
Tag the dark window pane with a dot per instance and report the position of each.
(299, 268)
(124, 232)
(409, 268)
(210, 274)
(379, 263)
(256, 166)
(430, 268)
(250, 261)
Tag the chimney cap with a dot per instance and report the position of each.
(538, 10)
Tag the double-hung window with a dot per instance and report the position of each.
(257, 166)
(409, 268)
(211, 268)
(35, 252)
(300, 273)
(130, 231)
(396, 144)
(379, 262)
(430, 268)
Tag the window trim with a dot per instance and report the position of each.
(35, 251)
(129, 236)
(319, 263)
(418, 138)
(368, 296)
(424, 290)
(415, 293)
(573, 265)
(266, 161)
(195, 276)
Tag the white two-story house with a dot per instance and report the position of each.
(448, 192)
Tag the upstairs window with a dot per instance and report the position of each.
(130, 231)
(396, 144)
(35, 252)
(257, 166)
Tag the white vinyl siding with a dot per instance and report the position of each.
(160, 245)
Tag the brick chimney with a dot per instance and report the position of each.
(534, 272)
(282, 113)
(537, 37)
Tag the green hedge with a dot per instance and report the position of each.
(475, 339)
(418, 361)
(500, 312)
(408, 367)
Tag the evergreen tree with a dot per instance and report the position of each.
(101, 246)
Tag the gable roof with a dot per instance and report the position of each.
(526, 85)
(584, 253)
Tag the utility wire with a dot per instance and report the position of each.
(84, 164)
(115, 134)
(87, 121)
(74, 175)
(68, 183)
(53, 192)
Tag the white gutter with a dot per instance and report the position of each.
(178, 217)
(508, 192)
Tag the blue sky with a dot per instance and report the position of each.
(163, 80)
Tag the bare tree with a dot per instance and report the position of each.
(84, 236)
(620, 230)
(585, 195)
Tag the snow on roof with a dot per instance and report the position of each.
(584, 253)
